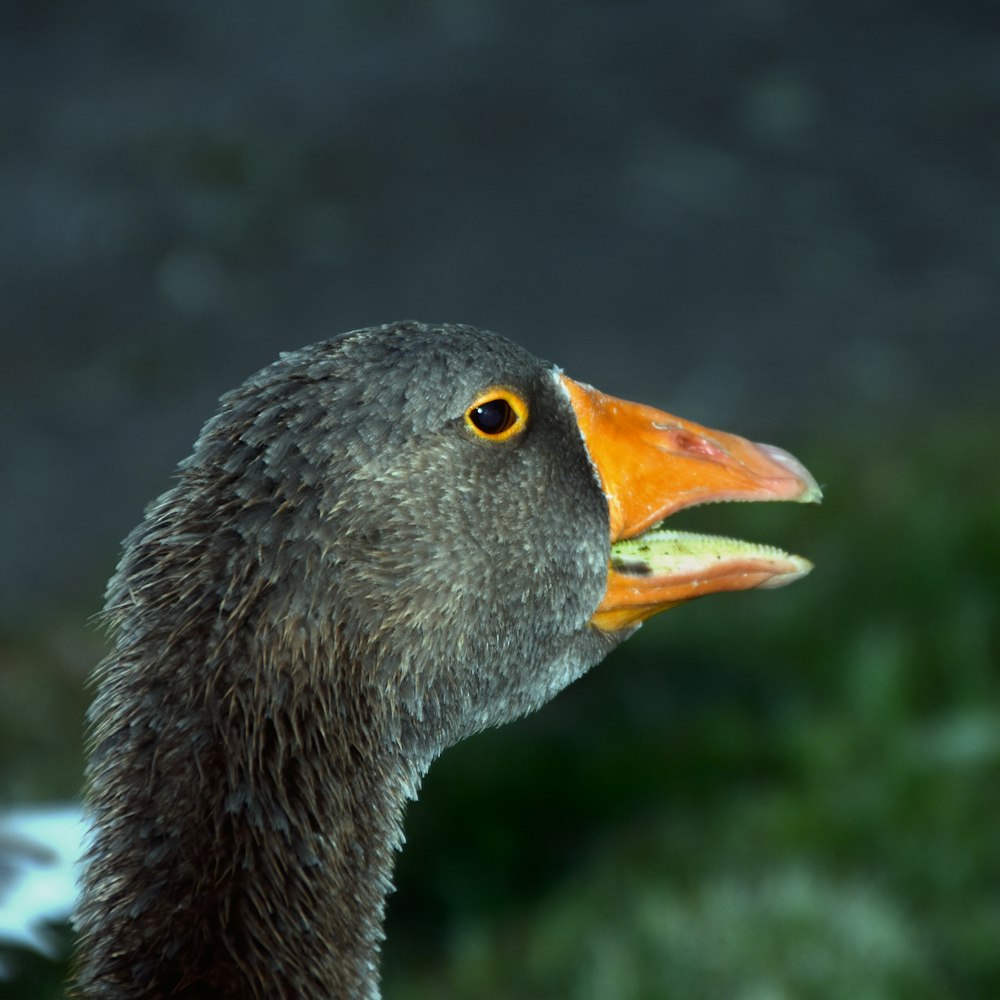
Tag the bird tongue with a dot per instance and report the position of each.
(651, 465)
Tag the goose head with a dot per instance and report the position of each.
(380, 545)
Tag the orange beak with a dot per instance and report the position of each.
(651, 465)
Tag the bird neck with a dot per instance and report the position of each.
(247, 808)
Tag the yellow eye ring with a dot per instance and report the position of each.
(497, 414)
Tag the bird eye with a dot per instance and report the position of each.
(493, 417)
(497, 414)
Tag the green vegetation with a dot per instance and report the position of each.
(766, 795)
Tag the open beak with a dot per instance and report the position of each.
(651, 465)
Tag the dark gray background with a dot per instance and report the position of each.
(764, 215)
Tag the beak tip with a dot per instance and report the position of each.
(799, 568)
(810, 491)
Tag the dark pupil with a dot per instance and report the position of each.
(493, 417)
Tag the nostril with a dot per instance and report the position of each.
(694, 444)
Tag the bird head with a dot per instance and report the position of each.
(459, 529)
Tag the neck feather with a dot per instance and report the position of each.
(247, 804)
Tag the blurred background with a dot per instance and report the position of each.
(778, 218)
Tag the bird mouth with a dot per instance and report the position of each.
(652, 465)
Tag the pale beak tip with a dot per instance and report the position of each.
(798, 568)
(811, 491)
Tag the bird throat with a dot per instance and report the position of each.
(246, 847)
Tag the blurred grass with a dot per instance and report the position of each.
(761, 795)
